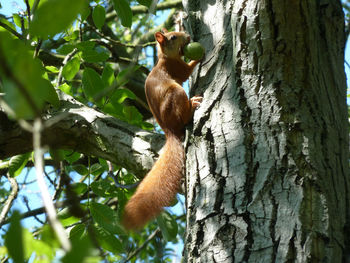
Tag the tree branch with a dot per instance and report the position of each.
(87, 131)
(14, 32)
(10, 199)
(143, 10)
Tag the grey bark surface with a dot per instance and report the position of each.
(267, 161)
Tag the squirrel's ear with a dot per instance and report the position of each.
(160, 38)
(164, 30)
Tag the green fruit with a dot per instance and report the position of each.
(194, 51)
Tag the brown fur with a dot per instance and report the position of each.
(172, 110)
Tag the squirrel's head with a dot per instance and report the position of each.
(171, 44)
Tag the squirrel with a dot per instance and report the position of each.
(172, 110)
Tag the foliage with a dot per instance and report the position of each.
(95, 52)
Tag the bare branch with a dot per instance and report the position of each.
(14, 32)
(149, 239)
(143, 10)
(10, 199)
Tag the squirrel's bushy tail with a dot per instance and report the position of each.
(158, 188)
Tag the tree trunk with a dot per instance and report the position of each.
(267, 160)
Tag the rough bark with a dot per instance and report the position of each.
(267, 167)
(83, 129)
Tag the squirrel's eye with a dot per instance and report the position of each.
(173, 37)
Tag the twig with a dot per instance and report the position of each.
(14, 32)
(41, 210)
(37, 48)
(142, 9)
(25, 200)
(28, 11)
(136, 251)
(116, 178)
(68, 57)
(116, 42)
(49, 206)
(10, 198)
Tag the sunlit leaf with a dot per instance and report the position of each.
(108, 75)
(106, 218)
(108, 241)
(26, 91)
(132, 115)
(44, 23)
(71, 68)
(124, 12)
(167, 225)
(92, 83)
(17, 20)
(17, 163)
(99, 16)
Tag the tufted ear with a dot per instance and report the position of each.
(164, 30)
(160, 38)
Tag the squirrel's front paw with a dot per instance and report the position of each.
(196, 101)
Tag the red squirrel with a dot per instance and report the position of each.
(173, 110)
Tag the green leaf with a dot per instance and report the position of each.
(121, 94)
(108, 241)
(45, 21)
(106, 218)
(146, 126)
(17, 163)
(14, 239)
(99, 16)
(50, 94)
(66, 89)
(85, 45)
(41, 249)
(85, 12)
(132, 115)
(124, 12)
(96, 169)
(23, 84)
(167, 225)
(92, 83)
(94, 56)
(71, 156)
(108, 76)
(71, 68)
(8, 23)
(79, 188)
(65, 49)
(103, 188)
(81, 249)
(77, 232)
(145, 2)
(115, 109)
(80, 169)
(57, 154)
(52, 69)
(64, 213)
(17, 20)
